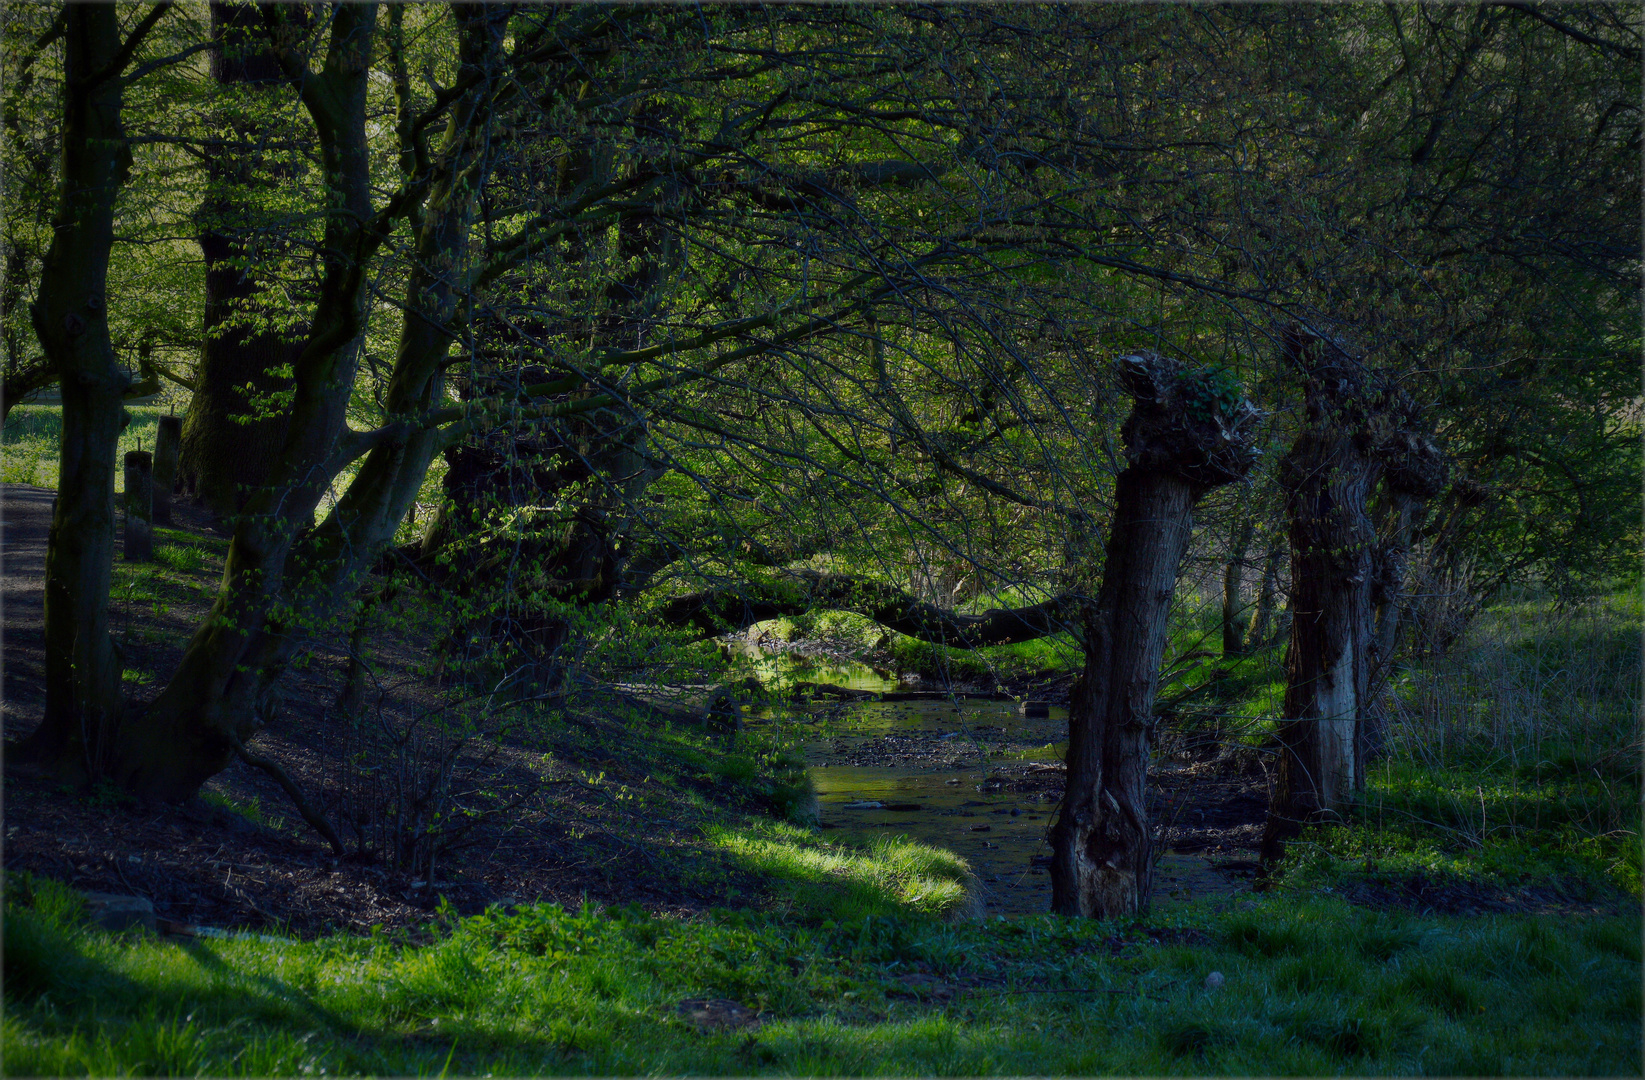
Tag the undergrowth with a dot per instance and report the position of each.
(1512, 764)
(1312, 987)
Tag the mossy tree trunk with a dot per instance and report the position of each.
(1185, 435)
(235, 424)
(282, 574)
(83, 664)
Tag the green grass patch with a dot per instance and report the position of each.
(841, 881)
(1312, 987)
(1512, 775)
(30, 443)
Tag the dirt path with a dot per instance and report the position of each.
(25, 524)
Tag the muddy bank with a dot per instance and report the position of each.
(982, 778)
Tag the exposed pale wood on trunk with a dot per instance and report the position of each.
(1327, 476)
(1177, 448)
(1360, 432)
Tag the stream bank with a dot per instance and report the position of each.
(981, 777)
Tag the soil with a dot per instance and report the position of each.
(240, 857)
(578, 810)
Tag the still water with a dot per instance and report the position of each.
(950, 773)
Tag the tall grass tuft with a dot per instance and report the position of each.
(1526, 732)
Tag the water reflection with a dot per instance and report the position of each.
(931, 770)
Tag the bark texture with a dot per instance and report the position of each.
(83, 696)
(282, 574)
(1361, 431)
(1185, 435)
(239, 378)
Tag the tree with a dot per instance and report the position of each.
(70, 315)
(742, 299)
(239, 388)
(1187, 433)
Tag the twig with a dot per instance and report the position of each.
(114, 862)
(310, 815)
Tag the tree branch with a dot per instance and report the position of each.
(310, 815)
(714, 611)
(1627, 52)
(118, 62)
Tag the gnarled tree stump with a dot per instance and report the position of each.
(1187, 433)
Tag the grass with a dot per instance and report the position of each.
(29, 442)
(892, 875)
(1313, 986)
(860, 957)
(1513, 763)
(1513, 770)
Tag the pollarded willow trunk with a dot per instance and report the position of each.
(1186, 435)
(1414, 470)
(1328, 476)
(83, 696)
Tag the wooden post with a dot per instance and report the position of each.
(166, 442)
(139, 506)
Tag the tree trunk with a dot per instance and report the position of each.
(139, 506)
(1257, 636)
(1327, 476)
(579, 551)
(167, 438)
(1233, 641)
(1101, 863)
(243, 371)
(28, 183)
(277, 562)
(1415, 469)
(83, 696)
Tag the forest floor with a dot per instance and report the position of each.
(572, 805)
(621, 894)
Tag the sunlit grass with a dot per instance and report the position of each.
(30, 443)
(1312, 987)
(845, 881)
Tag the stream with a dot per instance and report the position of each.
(982, 778)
